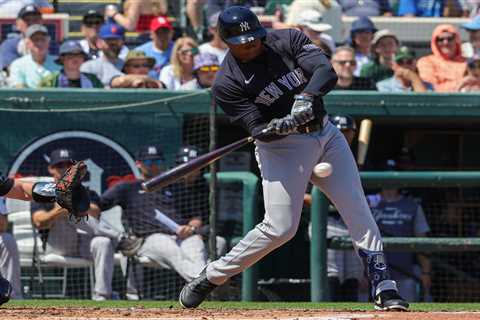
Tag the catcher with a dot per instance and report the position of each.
(68, 192)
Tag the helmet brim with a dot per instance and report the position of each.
(248, 37)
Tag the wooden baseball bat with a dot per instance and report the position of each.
(364, 140)
(178, 172)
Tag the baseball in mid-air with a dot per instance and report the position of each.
(323, 169)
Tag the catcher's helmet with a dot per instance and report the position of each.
(343, 122)
(186, 153)
(239, 25)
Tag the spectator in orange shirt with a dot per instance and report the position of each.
(445, 67)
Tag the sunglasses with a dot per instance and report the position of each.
(474, 64)
(448, 39)
(344, 62)
(209, 68)
(150, 162)
(139, 65)
(192, 51)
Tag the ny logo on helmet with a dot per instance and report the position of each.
(244, 26)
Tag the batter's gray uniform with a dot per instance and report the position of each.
(252, 94)
(87, 239)
(9, 257)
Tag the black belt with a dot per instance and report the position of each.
(309, 127)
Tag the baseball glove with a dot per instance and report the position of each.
(69, 192)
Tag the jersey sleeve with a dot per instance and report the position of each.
(314, 62)
(421, 224)
(112, 197)
(6, 185)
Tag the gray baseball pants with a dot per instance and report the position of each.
(286, 166)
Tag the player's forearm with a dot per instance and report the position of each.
(20, 191)
(322, 82)
(43, 219)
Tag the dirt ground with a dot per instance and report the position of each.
(219, 314)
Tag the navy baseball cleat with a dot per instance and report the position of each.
(197, 290)
(5, 290)
(390, 300)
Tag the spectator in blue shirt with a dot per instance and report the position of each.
(14, 46)
(160, 48)
(361, 36)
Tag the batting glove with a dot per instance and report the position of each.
(302, 111)
(283, 126)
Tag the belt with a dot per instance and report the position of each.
(313, 126)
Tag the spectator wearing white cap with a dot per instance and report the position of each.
(311, 23)
(384, 46)
(27, 71)
(215, 46)
(472, 47)
(330, 11)
(14, 46)
(205, 67)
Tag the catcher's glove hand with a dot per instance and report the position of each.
(69, 192)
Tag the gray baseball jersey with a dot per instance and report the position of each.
(251, 94)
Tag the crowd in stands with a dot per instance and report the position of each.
(171, 59)
(166, 57)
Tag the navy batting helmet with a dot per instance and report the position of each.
(239, 25)
(343, 122)
(186, 153)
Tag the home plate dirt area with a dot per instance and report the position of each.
(220, 314)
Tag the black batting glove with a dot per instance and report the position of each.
(283, 126)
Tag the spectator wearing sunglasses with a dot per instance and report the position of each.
(471, 81)
(205, 67)
(445, 67)
(405, 75)
(344, 63)
(180, 69)
(136, 71)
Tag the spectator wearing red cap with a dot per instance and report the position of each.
(14, 46)
(160, 48)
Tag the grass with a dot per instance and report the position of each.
(234, 305)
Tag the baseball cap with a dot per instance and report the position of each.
(204, 59)
(213, 19)
(473, 25)
(404, 53)
(111, 31)
(383, 34)
(35, 28)
(160, 22)
(186, 153)
(363, 23)
(70, 47)
(92, 15)
(29, 9)
(149, 152)
(60, 155)
(313, 20)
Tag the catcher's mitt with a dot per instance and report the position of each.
(69, 192)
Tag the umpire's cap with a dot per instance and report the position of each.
(343, 122)
(239, 25)
(186, 153)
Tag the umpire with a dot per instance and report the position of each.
(272, 84)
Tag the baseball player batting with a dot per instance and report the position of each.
(277, 80)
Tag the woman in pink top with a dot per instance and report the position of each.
(445, 67)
